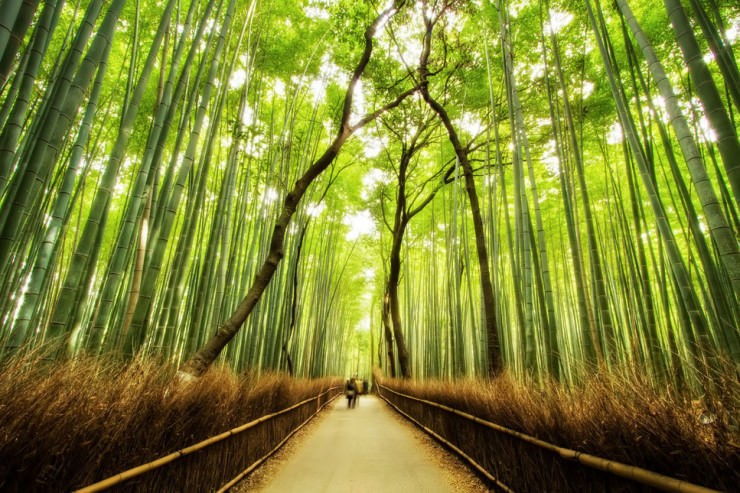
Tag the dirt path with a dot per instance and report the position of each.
(366, 449)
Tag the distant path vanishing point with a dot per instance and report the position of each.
(366, 450)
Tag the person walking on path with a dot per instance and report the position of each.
(350, 390)
(356, 384)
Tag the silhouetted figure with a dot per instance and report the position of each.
(350, 390)
(356, 384)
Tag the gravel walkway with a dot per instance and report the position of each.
(366, 449)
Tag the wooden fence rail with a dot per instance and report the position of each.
(500, 464)
(298, 415)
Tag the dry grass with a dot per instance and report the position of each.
(618, 418)
(65, 425)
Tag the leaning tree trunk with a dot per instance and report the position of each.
(34, 161)
(135, 337)
(721, 47)
(140, 200)
(202, 359)
(45, 257)
(16, 18)
(18, 99)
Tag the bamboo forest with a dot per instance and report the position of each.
(421, 190)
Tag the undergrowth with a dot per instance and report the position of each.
(621, 418)
(64, 425)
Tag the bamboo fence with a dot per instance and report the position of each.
(609, 467)
(134, 472)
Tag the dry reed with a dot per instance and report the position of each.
(621, 418)
(64, 425)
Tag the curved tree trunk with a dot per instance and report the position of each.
(394, 273)
(495, 362)
(202, 359)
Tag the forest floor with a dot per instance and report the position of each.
(366, 449)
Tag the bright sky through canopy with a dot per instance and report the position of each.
(360, 223)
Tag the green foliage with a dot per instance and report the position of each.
(290, 39)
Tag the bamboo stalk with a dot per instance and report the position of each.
(150, 466)
(634, 473)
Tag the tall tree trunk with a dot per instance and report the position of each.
(34, 162)
(394, 272)
(294, 299)
(590, 337)
(142, 190)
(721, 48)
(45, 257)
(716, 280)
(495, 362)
(18, 99)
(604, 344)
(137, 334)
(390, 347)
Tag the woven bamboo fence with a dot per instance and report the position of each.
(514, 461)
(219, 462)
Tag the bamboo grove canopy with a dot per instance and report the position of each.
(439, 187)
